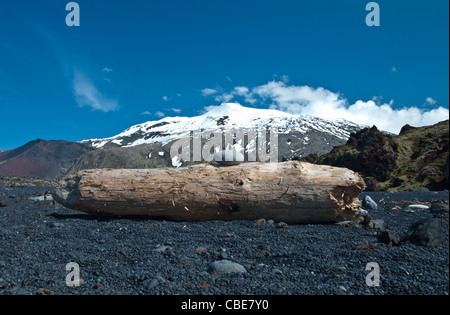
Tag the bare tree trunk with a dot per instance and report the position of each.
(293, 192)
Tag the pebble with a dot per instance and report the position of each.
(388, 237)
(163, 249)
(225, 266)
(56, 224)
(223, 255)
(151, 284)
(261, 222)
(201, 250)
(414, 208)
(282, 225)
(41, 198)
(439, 209)
(377, 224)
(369, 204)
(277, 271)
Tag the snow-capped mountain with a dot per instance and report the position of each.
(149, 144)
(226, 116)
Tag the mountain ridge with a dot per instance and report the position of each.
(41, 158)
(227, 115)
(150, 143)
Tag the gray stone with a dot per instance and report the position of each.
(348, 223)
(151, 284)
(163, 249)
(414, 208)
(342, 288)
(377, 224)
(388, 237)
(343, 223)
(427, 232)
(369, 204)
(277, 271)
(439, 209)
(225, 266)
(42, 198)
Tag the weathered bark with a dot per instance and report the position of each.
(293, 192)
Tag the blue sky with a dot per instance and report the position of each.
(137, 60)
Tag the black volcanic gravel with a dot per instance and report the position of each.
(131, 256)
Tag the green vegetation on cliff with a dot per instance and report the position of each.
(417, 157)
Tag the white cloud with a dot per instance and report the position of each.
(430, 101)
(87, 94)
(394, 69)
(328, 105)
(106, 69)
(159, 114)
(224, 98)
(320, 102)
(303, 100)
(207, 92)
(176, 110)
(242, 91)
(164, 98)
(146, 113)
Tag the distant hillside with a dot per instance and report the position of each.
(141, 156)
(417, 157)
(43, 159)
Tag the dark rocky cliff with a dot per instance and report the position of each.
(417, 157)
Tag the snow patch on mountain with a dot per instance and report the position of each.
(225, 116)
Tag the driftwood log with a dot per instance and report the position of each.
(293, 192)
